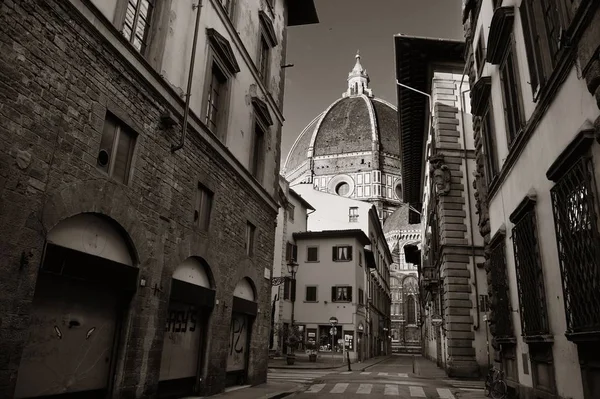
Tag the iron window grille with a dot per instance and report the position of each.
(530, 278)
(500, 304)
(574, 203)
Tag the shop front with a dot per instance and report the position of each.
(190, 305)
(244, 310)
(85, 282)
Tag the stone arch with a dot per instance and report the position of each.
(195, 270)
(99, 196)
(245, 289)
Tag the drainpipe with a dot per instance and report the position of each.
(189, 83)
(464, 139)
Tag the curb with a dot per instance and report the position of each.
(376, 363)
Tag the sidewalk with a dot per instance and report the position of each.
(268, 390)
(426, 368)
(323, 363)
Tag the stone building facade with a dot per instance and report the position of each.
(114, 281)
(437, 144)
(404, 284)
(536, 188)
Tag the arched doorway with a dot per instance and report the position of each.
(85, 280)
(244, 311)
(191, 301)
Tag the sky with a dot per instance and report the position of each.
(323, 53)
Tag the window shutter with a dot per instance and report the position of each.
(332, 294)
(294, 252)
(334, 256)
(349, 256)
(286, 289)
(350, 294)
(293, 284)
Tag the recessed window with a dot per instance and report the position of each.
(353, 214)
(511, 93)
(116, 149)
(341, 294)
(311, 294)
(342, 189)
(258, 150)
(291, 252)
(214, 97)
(342, 253)
(204, 198)
(250, 232)
(312, 254)
(361, 297)
(489, 140)
(291, 209)
(137, 23)
(263, 60)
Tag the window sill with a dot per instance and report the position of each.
(341, 301)
(311, 261)
(310, 301)
(536, 339)
(349, 260)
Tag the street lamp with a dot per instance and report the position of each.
(292, 270)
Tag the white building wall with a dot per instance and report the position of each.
(572, 106)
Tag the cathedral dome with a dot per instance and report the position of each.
(356, 123)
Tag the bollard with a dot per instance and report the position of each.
(348, 358)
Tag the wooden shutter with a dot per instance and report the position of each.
(288, 251)
(293, 289)
(295, 252)
(334, 256)
(332, 294)
(349, 257)
(349, 294)
(286, 289)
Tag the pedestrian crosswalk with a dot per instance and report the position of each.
(410, 391)
(401, 375)
(300, 376)
(466, 385)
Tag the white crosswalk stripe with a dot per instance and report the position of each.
(301, 376)
(391, 390)
(365, 373)
(346, 372)
(364, 389)
(339, 387)
(403, 375)
(316, 388)
(397, 389)
(382, 374)
(417, 392)
(445, 393)
(466, 385)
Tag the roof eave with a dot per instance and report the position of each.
(413, 55)
(301, 12)
(304, 202)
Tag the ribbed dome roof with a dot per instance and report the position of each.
(353, 123)
(398, 220)
(350, 124)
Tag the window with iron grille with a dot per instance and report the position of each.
(500, 305)
(530, 278)
(575, 207)
(511, 94)
(137, 23)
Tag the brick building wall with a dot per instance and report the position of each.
(58, 79)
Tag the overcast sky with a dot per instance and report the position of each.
(323, 54)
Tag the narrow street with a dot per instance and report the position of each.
(396, 376)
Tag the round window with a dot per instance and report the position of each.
(399, 191)
(342, 189)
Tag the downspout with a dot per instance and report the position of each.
(189, 83)
(464, 139)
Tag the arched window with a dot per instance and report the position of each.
(410, 310)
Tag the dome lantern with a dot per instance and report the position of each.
(358, 80)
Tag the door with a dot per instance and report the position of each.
(237, 356)
(70, 343)
(182, 343)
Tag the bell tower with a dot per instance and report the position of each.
(358, 80)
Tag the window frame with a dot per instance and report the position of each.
(334, 293)
(257, 162)
(334, 256)
(203, 192)
(513, 113)
(488, 134)
(121, 19)
(291, 210)
(353, 216)
(316, 247)
(119, 128)
(221, 121)
(306, 287)
(250, 241)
